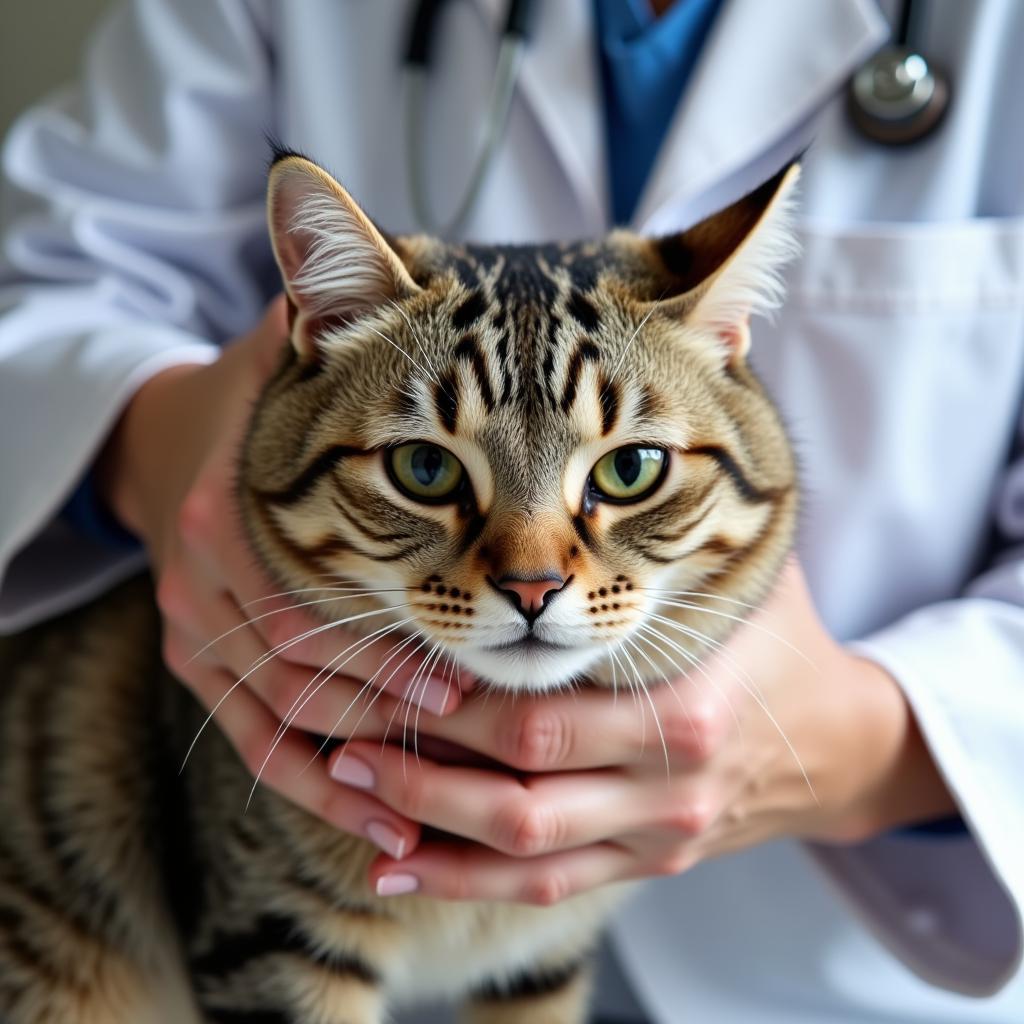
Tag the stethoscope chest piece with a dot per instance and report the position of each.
(897, 97)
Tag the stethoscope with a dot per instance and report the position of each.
(418, 54)
(896, 98)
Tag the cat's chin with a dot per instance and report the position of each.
(532, 667)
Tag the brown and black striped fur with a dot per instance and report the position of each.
(129, 892)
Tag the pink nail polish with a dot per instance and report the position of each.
(384, 836)
(353, 772)
(397, 885)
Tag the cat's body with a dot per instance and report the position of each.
(126, 889)
(129, 892)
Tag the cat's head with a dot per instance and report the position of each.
(530, 454)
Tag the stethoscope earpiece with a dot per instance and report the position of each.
(897, 97)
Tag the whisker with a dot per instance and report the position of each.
(296, 708)
(419, 709)
(694, 662)
(636, 679)
(743, 621)
(399, 348)
(615, 661)
(395, 650)
(382, 689)
(448, 664)
(762, 704)
(736, 671)
(320, 589)
(629, 344)
(416, 339)
(315, 631)
(433, 658)
(293, 712)
(650, 700)
(288, 607)
(261, 661)
(410, 691)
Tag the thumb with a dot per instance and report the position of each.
(270, 335)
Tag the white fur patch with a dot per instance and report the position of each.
(341, 268)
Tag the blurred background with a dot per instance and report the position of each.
(40, 47)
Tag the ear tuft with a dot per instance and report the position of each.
(336, 265)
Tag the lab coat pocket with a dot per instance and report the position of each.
(898, 360)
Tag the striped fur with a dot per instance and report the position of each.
(130, 892)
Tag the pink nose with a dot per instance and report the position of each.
(530, 595)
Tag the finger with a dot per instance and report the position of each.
(223, 634)
(385, 659)
(450, 872)
(324, 701)
(309, 630)
(518, 817)
(290, 766)
(592, 728)
(261, 347)
(270, 334)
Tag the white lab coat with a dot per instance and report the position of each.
(898, 359)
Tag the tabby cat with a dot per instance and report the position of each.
(527, 450)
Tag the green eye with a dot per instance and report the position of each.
(425, 471)
(629, 473)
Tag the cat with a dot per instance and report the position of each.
(525, 454)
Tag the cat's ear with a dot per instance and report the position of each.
(721, 271)
(336, 265)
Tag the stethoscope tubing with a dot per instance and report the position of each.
(873, 113)
(418, 57)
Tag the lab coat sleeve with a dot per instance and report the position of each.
(960, 664)
(134, 239)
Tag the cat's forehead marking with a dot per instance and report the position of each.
(521, 330)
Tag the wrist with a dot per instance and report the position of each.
(897, 780)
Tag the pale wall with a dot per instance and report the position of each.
(40, 44)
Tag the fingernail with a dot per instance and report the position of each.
(353, 772)
(387, 838)
(434, 696)
(397, 885)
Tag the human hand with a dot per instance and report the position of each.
(784, 734)
(167, 472)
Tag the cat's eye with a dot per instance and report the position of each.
(425, 472)
(629, 473)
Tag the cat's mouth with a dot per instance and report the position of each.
(528, 662)
(530, 642)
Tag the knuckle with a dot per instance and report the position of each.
(690, 819)
(410, 798)
(695, 734)
(528, 830)
(548, 889)
(280, 690)
(197, 516)
(170, 594)
(253, 750)
(280, 630)
(540, 740)
(173, 652)
(675, 862)
(455, 885)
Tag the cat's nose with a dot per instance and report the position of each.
(531, 596)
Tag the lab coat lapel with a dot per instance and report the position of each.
(803, 50)
(560, 82)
